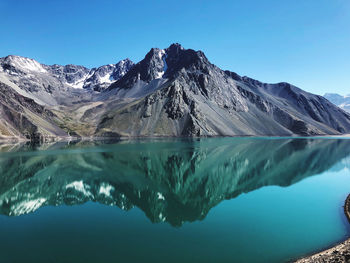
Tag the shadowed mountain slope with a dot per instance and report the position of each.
(171, 92)
(178, 92)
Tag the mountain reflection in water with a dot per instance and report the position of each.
(173, 181)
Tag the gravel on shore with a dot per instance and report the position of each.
(338, 253)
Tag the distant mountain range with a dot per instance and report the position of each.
(171, 92)
(339, 100)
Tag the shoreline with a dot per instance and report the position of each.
(5, 139)
(338, 253)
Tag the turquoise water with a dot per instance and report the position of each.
(207, 200)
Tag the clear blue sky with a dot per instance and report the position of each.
(304, 42)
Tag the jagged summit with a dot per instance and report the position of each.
(162, 64)
(100, 78)
(183, 94)
(16, 64)
(55, 84)
(170, 92)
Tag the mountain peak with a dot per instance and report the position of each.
(103, 76)
(175, 46)
(14, 63)
(125, 61)
(163, 64)
(172, 92)
(154, 52)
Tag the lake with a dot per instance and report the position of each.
(173, 200)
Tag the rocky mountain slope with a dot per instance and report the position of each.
(341, 101)
(58, 85)
(101, 77)
(171, 92)
(176, 181)
(22, 117)
(178, 92)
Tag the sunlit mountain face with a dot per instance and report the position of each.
(173, 181)
(171, 92)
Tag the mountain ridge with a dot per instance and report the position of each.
(172, 92)
(341, 101)
(196, 70)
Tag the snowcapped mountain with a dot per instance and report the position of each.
(171, 92)
(178, 92)
(102, 77)
(16, 65)
(56, 84)
(70, 75)
(339, 100)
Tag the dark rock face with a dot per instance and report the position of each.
(162, 63)
(171, 92)
(146, 70)
(70, 74)
(197, 98)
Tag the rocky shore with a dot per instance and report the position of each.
(338, 253)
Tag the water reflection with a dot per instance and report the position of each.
(173, 181)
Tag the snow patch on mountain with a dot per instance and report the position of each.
(102, 77)
(78, 84)
(25, 64)
(162, 56)
(106, 78)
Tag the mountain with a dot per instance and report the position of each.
(55, 89)
(105, 75)
(173, 181)
(341, 101)
(178, 92)
(22, 117)
(171, 92)
(58, 85)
